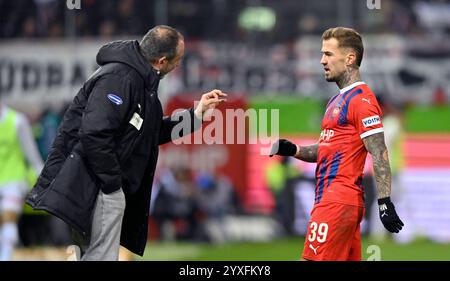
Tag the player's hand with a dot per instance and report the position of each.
(283, 147)
(208, 102)
(389, 216)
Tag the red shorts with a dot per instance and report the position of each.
(334, 233)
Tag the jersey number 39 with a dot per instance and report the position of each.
(318, 231)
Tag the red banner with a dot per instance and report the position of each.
(199, 152)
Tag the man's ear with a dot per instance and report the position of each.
(161, 61)
(351, 58)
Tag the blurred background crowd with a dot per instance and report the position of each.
(265, 54)
(219, 19)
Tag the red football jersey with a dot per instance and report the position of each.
(350, 116)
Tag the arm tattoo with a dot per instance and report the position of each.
(308, 153)
(382, 170)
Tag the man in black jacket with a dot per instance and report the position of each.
(99, 173)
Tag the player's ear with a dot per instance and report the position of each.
(351, 58)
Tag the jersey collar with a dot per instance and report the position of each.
(349, 87)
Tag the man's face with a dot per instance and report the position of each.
(169, 65)
(333, 59)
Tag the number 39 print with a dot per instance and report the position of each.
(318, 231)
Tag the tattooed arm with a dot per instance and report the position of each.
(284, 147)
(382, 170)
(376, 146)
(307, 153)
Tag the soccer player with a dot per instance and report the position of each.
(18, 156)
(351, 127)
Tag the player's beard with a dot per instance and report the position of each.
(334, 78)
(330, 78)
(328, 75)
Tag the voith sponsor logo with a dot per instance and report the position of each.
(371, 121)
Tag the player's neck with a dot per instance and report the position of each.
(350, 76)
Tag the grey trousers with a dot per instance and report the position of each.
(106, 227)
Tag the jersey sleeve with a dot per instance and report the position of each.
(366, 115)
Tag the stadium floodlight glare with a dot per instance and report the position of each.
(257, 19)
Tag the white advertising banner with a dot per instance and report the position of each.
(45, 72)
(405, 70)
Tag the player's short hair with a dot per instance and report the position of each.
(347, 38)
(160, 41)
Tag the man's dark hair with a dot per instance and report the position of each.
(160, 41)
(347, 38)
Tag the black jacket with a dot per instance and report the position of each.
(109, 139)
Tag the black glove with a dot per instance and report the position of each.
(388, 216)
(283, 148)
